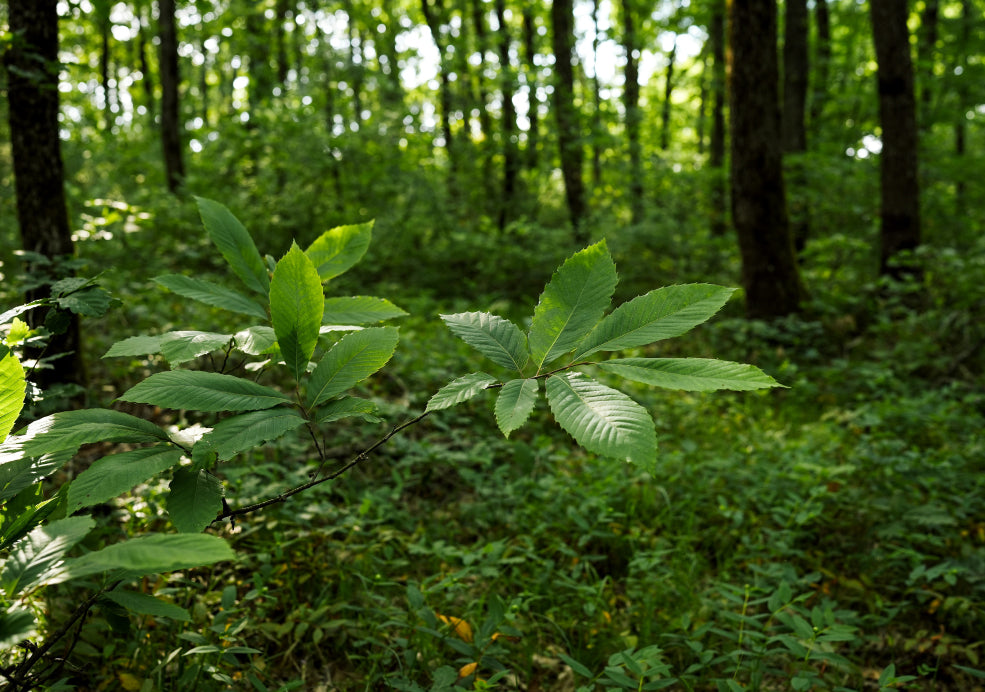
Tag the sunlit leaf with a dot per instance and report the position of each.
(459, 390)
(231, 436)
(212, 294)
(297, 302)
(235, 244)
(496, 338)
(339, 249)
(203, 391)
(12, 389)
(359, 310)
(690, 374)
(515, 402)
(354, 358)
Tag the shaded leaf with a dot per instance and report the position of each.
(203, 391)
(16, 625)
(346, 407)
(690, 374)
(359, 310)
(195, 499)
(35, 558)
(496, 338)
(68, 430)
(459, 390)
(515, 402)
(116, 474)
(141, 345)
(181, 347)
(601, 419)
(212, 294)
(235, 244)
(150, 555)
(145, 604)
(660, 314)
(233, 435)
(572, 303)
(297, 302)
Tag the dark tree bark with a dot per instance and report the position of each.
(568, 119)
(174, 164)
(794, 113)
(281, 10)
(769, 267)
(927, 54)
(597, 130)
(434, 16)
(822, 60)
(668, 91)
(511, 154)
(960, 119)
(716, 145)
(103, 19)
(145, 77)
(533, 115)
(634, 117)
(481, 46)
(900, 212)
(39, 178)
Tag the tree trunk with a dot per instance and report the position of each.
(769, 268)
(960, 118)
(794, 113)
(897, 113)
(927, 55)
(634, 116)
(174, 164)
(39, 178)
(597, 130)
(511, 155)
(481, 45)
(533, 116)
(822, 61)
(568, 120)
(433, 15)
(716, 145)
(668, 91)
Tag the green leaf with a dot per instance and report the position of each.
(27, 510)
(12, 389)
(136, 346)
(459, 390)
(572, 303)
(354, 358)
(496, 338)
(234, 435)
(16, 625)
(359, 310)
(235, 244)
(145, 604)
(203, 391)
(68, 430)
(116, 474)
(297, 302)
(255, 340)
(601, 419)
(37, 556)
(90, 302)
(690, 374)
(150, 555)
(18, 472)
(660, 314)
(515, 402)
(19, 310)
(346, 407)
(337, 250)
(181, 347)
(212, 294)
(195, 499)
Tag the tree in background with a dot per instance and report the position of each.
(759, 210)
(795, 68)
(900, 188)
(32, 66)
(174, 163)
(716, 145)
(634, 116)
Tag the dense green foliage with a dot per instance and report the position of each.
(825, 535)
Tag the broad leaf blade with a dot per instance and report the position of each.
(297, 302)
(601, 419)
(515, 402)
(16, 625)
(36, 556)
(12, 389)
(255, 340)
(18, 472)
(195, 499)
(660, 314)
(233, 435)
(136, 346)
(496, 338)
(691, 374)
(359, 310)
(572, 303)
(348, 407)
(116, 474)
(354, 358)
(151, 555)
(203, 391)
(337, 250)
(212, 294)
(145, 604)
(459, 390)
(68, 430)
(235, 244)
(181, 347)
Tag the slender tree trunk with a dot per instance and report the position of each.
(568, 119)
(716, 145)
(897, 113)
(926, 56)
(634, 117)
(145, 78)
(794, 114)
(533, 115)
(668, 91)
(433, 15)
(961, 120)
(597, 132)
(481, 46)
(39, 178)
(700, 122)
(174, 164)
(769, 267)
(822, 61)
(102, 17)
(281, 9)
(511, 154)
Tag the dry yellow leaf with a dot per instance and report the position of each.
(467, 670)
(130, 682)
(461, 628)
